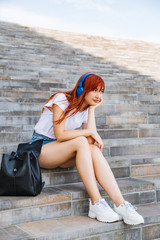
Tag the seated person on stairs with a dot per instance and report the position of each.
(64, 146)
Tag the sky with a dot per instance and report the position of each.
(132, 19)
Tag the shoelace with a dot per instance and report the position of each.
(104, 203)
(130, 207)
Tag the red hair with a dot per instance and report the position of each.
(90, 83)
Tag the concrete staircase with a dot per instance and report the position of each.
(34, 63)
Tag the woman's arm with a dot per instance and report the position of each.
(59, 129)
(91, 124)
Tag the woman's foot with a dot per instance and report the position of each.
(103, 212)
(129, 214)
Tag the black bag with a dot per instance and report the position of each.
(20, 173)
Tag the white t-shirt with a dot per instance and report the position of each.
(45, 123)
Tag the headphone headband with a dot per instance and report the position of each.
(80, 88)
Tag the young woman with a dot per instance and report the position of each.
(65, 145)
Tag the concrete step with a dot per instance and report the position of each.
(22, 133)
(112, 147)
(27, 119)
(13, 84)
(156, 180)
(11, 137)
(16, 95)
(149, 98)
(16, 129)
(149, 132)
(129, 133)
(130, 98)
(84, 228)
(112, 118)
(127, 119)
(131, 141)
(25, 100)
(114, 87)
(14, 107)
(8, 148)
(102, 126)
(130, 115)
(65, 200)
(35, 63)
(20, 95)
(48, 83)
(142, 159)
(145, 169)
(59, 176)
(25, 81)
(143, 59)
(154, 119)
(136, 147)
(122, 167)
(11, 105)
(137, 108)
(134, 91)
(19, 119)
(16, 126)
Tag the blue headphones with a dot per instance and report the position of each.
(80, 88)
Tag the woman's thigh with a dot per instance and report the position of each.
(59, 154)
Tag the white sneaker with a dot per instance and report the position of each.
(103, 212)
(129, 214)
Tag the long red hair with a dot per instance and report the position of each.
(90, 83)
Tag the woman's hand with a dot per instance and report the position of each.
(98, 140)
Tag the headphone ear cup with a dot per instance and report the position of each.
(79, 91)
(80, 88)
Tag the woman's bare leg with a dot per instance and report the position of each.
(57, 154)
(105, 176)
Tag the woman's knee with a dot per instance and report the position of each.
(94, 149)
(96, 154)
(81, 142)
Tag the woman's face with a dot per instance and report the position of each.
(94, 97)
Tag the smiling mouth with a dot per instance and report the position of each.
(96, 101)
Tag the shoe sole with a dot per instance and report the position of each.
(93, 216)
(131, 223)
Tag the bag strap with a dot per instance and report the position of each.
(14, 155)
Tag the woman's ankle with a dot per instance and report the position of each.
(118, 203)
(95, 200)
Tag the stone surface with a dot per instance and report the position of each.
(154, 179)
(134, 149)
(82, 227)
(48, 195)
(158, 195)
(35, 63)
(14, 233)
(68, 199)
(53, 178)
(145, 169)
(151, 232)
(79, 228)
